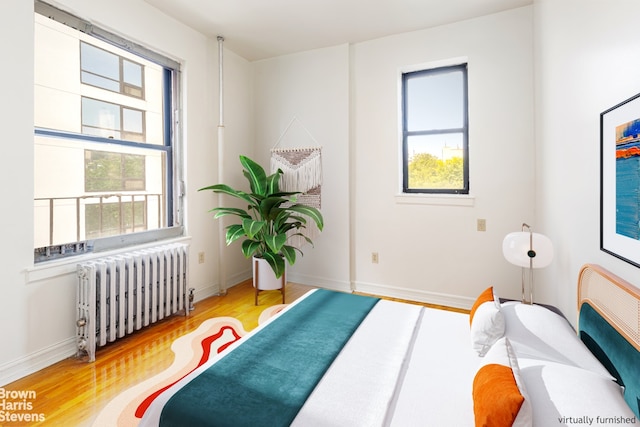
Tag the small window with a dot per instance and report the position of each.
(435, 131)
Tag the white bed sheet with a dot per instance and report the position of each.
(359, 386)
(437, 385)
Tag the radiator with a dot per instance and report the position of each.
(121, 294)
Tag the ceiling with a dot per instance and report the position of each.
(259, 29)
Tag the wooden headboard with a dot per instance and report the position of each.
(609, 325)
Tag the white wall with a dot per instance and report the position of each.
(313, 87)
(16, 253)
(37, 317)
(587, 62)
(347, 98)
(430, 251)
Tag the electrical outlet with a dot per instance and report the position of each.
(200, 257)
(374, 257)
(482, 224)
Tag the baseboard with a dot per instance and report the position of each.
(215, 290)
(31, 363)
(321, 282)
(207, 292)
(447, 300)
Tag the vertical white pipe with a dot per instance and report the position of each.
(222, 279)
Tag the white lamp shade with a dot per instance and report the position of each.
(516, 246)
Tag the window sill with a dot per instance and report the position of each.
(61, 267)
(463, 200)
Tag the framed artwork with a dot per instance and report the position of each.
(620, 181)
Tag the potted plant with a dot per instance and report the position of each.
(271, 218)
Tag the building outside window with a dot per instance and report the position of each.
(435, 131)
(107, 70)
(104, 142)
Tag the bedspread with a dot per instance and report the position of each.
(268, 378)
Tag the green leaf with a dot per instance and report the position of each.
(311, 212)
(289, 253)
(273, 182)
(250, 248)
(269, 207)
(255, 174)
(289, 226)
(252, 227)
(220, 212)
(225, 189)
(234, 232)
(276, 262)
(304, 237)
(275, 242)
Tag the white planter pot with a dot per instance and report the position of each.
(264, 279)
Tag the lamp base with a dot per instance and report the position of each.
(524, 297)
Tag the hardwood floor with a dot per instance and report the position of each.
(73, 391)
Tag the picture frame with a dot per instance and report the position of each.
(620, 181)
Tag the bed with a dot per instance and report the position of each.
(338, 359)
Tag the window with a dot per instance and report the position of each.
(104, 141)
(435, 131)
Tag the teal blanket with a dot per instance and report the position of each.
(266, 380)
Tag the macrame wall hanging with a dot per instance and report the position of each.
(302, 171)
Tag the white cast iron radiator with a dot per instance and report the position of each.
(120, 294)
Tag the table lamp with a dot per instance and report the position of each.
(527, 250)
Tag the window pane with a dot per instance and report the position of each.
(435, 161)
(435, 101)
(113, 172)
(100, 62)
(101, 115)
(111, 218)
(132, 73)
(132, 120)
(102, 171)
(94, 80)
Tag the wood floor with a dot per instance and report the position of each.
(73, 391)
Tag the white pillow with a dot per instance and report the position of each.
(536, 332)
(487, 322)
(497, 391)
(566, 395)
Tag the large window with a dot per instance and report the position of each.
(435, 131)
(105, 143)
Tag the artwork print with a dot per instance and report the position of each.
(620, 181)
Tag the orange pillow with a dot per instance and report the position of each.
(485, 296)
(499, 394)
(496, 397)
